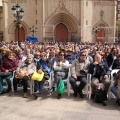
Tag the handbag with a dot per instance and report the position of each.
(37, 76)
(61, 87)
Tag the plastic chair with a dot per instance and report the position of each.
(68, 83)
(12, 80)
(31, 84)
(88, 86)
(65, 80)
(45, 87)
(110, 95)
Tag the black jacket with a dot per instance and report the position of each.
(110, 60)
(116, 64)
(99, 70)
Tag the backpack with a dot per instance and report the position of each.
(100, 97)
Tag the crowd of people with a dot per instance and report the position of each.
(81, 58)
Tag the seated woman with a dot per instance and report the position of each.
(60, 70)
(20, 57)
(36, 57)
(7, 67)
(116, 88)
(44, 64)
(23, 73)
(41, 67)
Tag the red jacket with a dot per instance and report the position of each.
(8, 64)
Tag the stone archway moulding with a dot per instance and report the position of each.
(12, 27)
(62, 15)
(64, 18)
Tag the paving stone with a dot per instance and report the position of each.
(49, 108)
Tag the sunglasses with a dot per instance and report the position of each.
(37, 55)
(61, 54)
(83, 55)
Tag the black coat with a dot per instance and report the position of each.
(116, 64)
(110, 60)
(99, 70)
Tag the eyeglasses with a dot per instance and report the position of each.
(20, 53)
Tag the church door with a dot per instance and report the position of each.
(100, 36)
(21, 34)
(61, 33)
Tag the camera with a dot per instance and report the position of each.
(83, 72)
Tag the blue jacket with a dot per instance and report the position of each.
(70, 58)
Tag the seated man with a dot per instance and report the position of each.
(116, 88)
(60, 69)
(70, 56)
(79, 70)
(100, 73)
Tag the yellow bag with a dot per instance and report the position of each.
(37, 76)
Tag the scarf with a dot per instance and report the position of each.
(44, 66)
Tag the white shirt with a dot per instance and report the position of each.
(62, 65)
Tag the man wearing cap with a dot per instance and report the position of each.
(70, 57)
(79, 70)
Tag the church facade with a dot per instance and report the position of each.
(61, 20)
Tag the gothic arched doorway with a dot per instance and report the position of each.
(21, 34)
(100, 35)
(61, 33)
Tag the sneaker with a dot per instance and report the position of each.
(118, 102)
(2, 92)
(25, 95)
(7, 91)
(59, 96)
(104, 103)
(75, 94)
(92, 96)
(12, 94)
(52, 89)
(81, 95)
(35, 96)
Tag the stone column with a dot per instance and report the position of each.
(82, 20)
(43, 18)
(5, 20)
(114, 31)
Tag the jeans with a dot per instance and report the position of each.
(76, 88)
(59, 76)
(7, 80)
(114, 91)
(24, 82)
(39, 85)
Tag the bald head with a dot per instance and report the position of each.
(98, 57)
